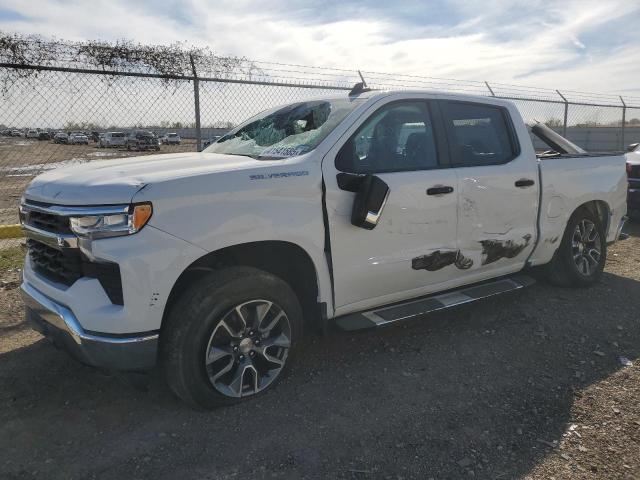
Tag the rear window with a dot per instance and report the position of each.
(117, 135)
(478, 134)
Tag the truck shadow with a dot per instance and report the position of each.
(487, 387)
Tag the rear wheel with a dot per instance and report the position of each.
(230, 337)
(580, 259)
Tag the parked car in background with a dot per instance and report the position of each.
(210, 263)
(112, 139)
(61, 137)
(633, 176)
(32, 134)
(43, 136)
(95, 136)
(16, 133)
(142, 140)
(171, 139)
(78, 138)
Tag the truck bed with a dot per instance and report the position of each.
(570, 180)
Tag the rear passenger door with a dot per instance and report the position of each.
(497, 187)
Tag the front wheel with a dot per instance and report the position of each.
(230, 337)
(581, 256)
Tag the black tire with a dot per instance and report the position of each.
(195, 319)
(564, 269)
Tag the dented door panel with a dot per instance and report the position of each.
(497, 220)
(409, 250)
(498, 187)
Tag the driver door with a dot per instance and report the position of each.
(412, 249)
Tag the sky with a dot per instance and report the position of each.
(580, 45)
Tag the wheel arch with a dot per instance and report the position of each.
(286, 260)
(600, 209)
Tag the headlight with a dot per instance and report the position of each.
(112, 225)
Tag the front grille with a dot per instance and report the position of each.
(48, 222)
(68, 265)
(62, 266)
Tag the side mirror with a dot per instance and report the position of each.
(370, 200)
(632, 147)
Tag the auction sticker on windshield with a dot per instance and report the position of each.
(283, 151)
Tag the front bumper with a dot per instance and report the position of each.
(60, 325)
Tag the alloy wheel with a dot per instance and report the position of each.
(248, 348)
(586, 247)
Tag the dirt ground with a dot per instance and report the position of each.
(22, 158)
(528, 385)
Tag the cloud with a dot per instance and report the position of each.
(563, 45)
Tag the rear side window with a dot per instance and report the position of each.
(397, 137)
(478, 134)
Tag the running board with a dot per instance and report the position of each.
(414, 308)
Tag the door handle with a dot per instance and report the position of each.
(439, 190)
(524, 182)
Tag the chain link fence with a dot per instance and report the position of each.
(38, 101)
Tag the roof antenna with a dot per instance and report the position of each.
(359, 87)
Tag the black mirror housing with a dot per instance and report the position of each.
(369, 202)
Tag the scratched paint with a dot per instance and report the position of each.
(494, 250)
(440, 259)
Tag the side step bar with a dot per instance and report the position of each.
(414, 308)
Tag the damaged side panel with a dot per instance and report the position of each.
(494, 250)
(497, 220)
(440, 259)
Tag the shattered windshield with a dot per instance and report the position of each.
(285, 131)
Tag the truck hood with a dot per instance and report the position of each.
(106, 182)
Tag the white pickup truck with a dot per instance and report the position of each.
(361, 210)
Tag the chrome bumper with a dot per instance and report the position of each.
(59, 324)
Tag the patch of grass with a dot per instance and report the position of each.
(11, 257)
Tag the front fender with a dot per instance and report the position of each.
(215, 211)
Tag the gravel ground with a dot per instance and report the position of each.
(528, 385)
